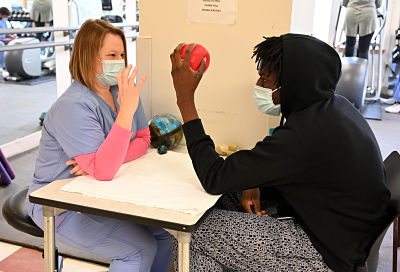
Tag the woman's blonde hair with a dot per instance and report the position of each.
(87, 45)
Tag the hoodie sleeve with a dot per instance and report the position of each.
(273, 161)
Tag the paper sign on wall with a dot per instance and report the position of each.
(212, 11)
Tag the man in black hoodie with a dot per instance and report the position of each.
(322, 164)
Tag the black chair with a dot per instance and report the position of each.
(15, 214)
(392, 166)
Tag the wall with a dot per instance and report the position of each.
(224, 98)
(303, 16)
(316, 18)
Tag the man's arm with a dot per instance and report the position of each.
(186, 81)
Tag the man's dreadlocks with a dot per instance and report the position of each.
(269, 54)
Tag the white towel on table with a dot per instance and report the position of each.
(162, 181)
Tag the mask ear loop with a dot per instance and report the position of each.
(282, 117)
(276, 89)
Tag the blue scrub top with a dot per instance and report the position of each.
(76, 124)
(3, 25)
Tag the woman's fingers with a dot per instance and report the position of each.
(75, 169)
(131, 80)
(119, 77)
(140, 83)
(80, 172)
(125, 76)
(71, 162)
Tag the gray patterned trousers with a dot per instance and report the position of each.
(230, 240)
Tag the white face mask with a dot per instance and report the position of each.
(110, 72)
(264, 102)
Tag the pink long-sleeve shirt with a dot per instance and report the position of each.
(113, 152)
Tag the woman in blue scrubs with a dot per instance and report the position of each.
(94, 127)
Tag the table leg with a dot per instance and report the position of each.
(183, 251)
(49, 240)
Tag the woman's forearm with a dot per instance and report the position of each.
(139, 145)
(105, 163)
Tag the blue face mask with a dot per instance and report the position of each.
(264, 102)
(110, 72)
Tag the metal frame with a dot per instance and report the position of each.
(49, 246)
(372, 89)
(67, 31)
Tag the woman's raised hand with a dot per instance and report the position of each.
(128, 94)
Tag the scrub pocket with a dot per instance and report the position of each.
(84, 230)
(38, 219)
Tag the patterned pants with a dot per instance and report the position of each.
(230, 240)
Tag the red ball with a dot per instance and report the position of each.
(198, 54)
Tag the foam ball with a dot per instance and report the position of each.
(198, 54)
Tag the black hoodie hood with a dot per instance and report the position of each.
(310, 72)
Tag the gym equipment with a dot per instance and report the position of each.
(356, 90)
(353, 82)
(198, 54)
(29, 63)
(23, 63)
(112, 18)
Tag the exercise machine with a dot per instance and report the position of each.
(29, 63)
(355, 83)
(23, 64)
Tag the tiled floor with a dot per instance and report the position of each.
(69, 265)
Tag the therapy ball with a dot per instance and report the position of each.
(166, 130)
(198, 54)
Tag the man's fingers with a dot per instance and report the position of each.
(257, 208)
(203, 67)
(188, 53)
(264, 213)
(247, 207)
(176, 55)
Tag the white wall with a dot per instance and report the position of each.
(316, 18)
(224, 98)
(303, 16)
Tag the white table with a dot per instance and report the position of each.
(55, 201)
